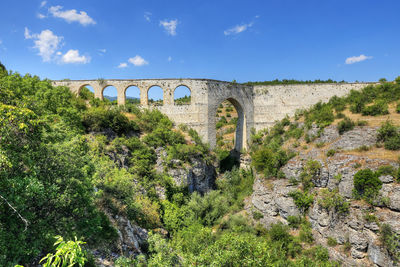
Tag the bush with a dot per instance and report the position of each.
(100, 119)
(332, 200)
(331, 152)
(303, 200)
(269, 162)
(379, 108)
(398, 108)
(294, 221)
(331, 241)
(366, 185)
(345, 125)
(393, 143)
(390, 135)
(390, 240)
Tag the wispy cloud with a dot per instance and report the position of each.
(46, 42)
(169, 59)
(72, 56)
(138, 61)
(238, 29)
(355, 59)
(41, 16)
(102, 51)
(169, 26)
(71, 15)
(122, 65)
(43, 3)
(147, 16)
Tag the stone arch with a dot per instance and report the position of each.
(158, 97)
(114, 89)
(181, 90)
(241, 126)
(132, 93)
(83, 85)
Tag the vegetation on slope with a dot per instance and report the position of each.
(67, 162)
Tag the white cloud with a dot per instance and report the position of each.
(122, 65)
(43, 3)
(169, 26)
(238, 29)
(71, 15)
(352, 60)
(46, 42)
(41, 16)
(147, 16)
(169, 59)
(138, 61)
(72, 56)
(102, 50)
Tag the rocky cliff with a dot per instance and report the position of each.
(356, 233)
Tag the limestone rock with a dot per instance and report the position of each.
(360, 136)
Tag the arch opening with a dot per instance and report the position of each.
(230, 123)
(132, 95)
(86, 92)
(182, 95)
(155, 96)
(110, 94)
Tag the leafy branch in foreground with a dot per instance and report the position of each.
(67, 254)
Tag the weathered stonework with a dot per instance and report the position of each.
(258, 106)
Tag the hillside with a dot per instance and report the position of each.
(141, 191)
(332, 173)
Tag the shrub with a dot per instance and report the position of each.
(379, 108)
(393, 143)
(320, 144)
(366, 185)
(345, 125)
(305, 234)
(332, 200)
(363, 148)
(386, 170)
(331, 241)
(387, 131)
(398, 108)
(269, 162)
(330, 152)
(257, 215)
(390, 240)
(100, 119)
(294, 221)
(361, 123)
(311, 173)
(303, 200)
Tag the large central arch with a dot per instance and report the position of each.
(240, 131)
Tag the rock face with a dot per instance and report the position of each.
(131, 241)
(353, 229)
(198, 176)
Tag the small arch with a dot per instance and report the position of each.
(155, 96)
(86, 92)
(182, 95)
(110, 93)
(132, 95)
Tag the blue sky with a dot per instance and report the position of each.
(225, 40)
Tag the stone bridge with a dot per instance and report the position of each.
(257, 106)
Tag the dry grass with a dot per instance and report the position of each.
(130, 116)
(376, 153)
(374, 121)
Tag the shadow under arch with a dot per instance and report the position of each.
(182, 95)
(231, 157)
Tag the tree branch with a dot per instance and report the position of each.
(15, 211)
